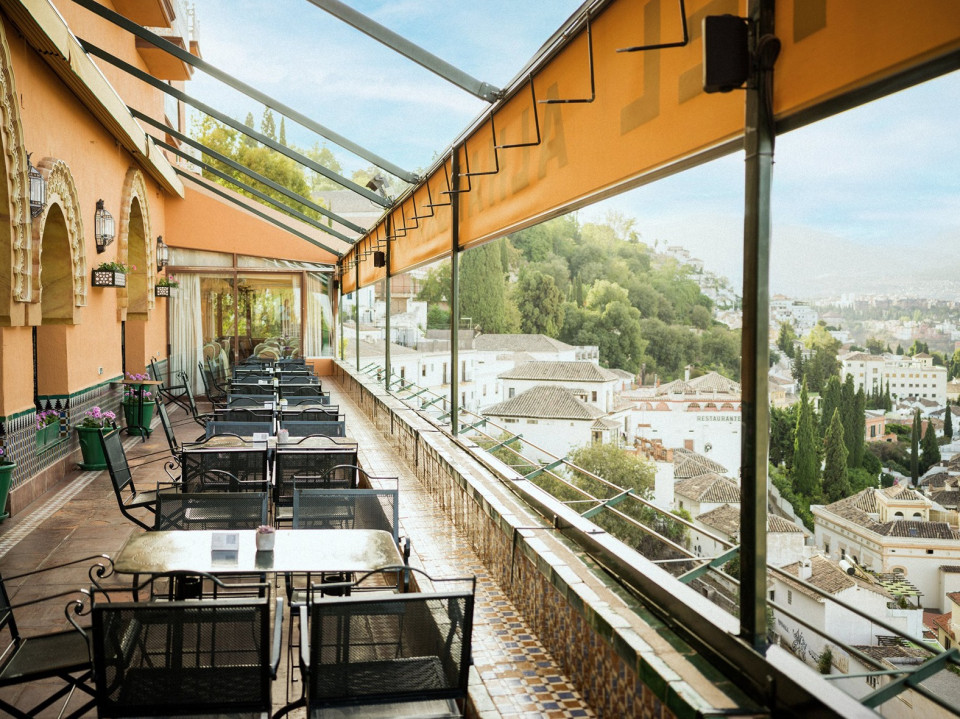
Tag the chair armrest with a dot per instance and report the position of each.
(277, 637)
(304, 640)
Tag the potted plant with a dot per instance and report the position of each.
(138, 405)
(6, 475)
(266, 538)
(110, 274)
(88, 432)
(48, 427)
(166, 287)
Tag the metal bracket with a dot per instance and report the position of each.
(448, 191)
(663, 45)
(413, 199)
(509, 440)
(536, 124)
(481, 423)
(593, 85)
(612, 502)
(545, 468)
(714, 563)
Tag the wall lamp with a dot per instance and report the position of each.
(103, 227)
(38, 189)
(163, 253)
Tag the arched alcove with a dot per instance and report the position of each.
(59, 260)
(15, 240)
(134, 248)
(56, 303)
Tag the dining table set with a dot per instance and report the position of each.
(272, 496)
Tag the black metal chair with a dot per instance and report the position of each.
(210, 510)
(169, 393)
(209, 467)
(312, 399)
(310, 412)
(319, 508)
(194, 657)
(324, 428)
(216, 393)
(395, 654)
(299, 465)
(241, 429)
(243, 414)
(121, 476)
(63, 655)
(252, 389)
(313, 391)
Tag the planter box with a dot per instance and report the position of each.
(165, 291)
(48, 434)
(108, 278)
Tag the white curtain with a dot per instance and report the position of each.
(186, 332)
(319, 315)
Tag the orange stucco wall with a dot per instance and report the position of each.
(56, 125)
(203, 221)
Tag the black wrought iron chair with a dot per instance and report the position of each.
(194, 657)
(208, 466)
(169, 393)
(61, 655)
(314, 391)
(210, 510)
(296, 464)
(216, 393)
(121, 477)
(312, 399)
(324, 428)
(317, 508)
(396, 654)
(310, 412)
(252, 389)
(241, 429)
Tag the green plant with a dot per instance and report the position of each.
(97, 419)
(170, 281)
(825, 661)
(113, 267)
(50, 416)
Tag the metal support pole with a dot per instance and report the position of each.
(356, 308)
(755, 417)
(455, 294)
(386, 280)
(341, 349)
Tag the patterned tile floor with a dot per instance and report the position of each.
(80, 518)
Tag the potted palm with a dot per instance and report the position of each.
(110, 274)
(48, 427)
(6, 475)
(88, 432)
(166, 287)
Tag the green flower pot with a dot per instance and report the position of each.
(139, 418)
(48, 434)
(6, 476)
(91, 449)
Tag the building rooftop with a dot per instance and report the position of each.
(687, 463)
(725, 518)
(545, 402)
(520, 343)
(709, 487)
(558, 371)
(711, 382)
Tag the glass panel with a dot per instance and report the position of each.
(269, 315)
(270, 263)
(318, 327)
(180, 257)
(217, 315)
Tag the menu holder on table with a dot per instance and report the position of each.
(225, 547)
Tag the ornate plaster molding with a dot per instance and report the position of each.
(134, 187)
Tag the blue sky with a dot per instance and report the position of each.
(868, 196)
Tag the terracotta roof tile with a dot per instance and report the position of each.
(520, 343)
(710, 487)
(560, 372)
(545, 402)
(687, 463)
(724, 518)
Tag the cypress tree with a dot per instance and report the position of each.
(859, 423)
(887, 402)
(806, 457)
(283, 131)
(930, 449)
(915, 449)
(948, 423)
(848, 414)
(836, 483)
(830, 400)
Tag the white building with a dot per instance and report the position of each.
(587, 381)
(705, 492)
(799, 314)
(835, 621)
(701, 415)
(907, 376)
(785, 540)
(555, 420)
(889, 531)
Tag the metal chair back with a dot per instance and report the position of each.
(194, 657)
(389, 649)
(295, 465)
(347, 509)
(311, 412)
(121, 478)
(208, 466)
(302, 390)
(210, 510)
(242, 429)
(324, 428)
(310, 399)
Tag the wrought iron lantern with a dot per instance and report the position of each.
(163, 253)
(38, 189)
(103, 227)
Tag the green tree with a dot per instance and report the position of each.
(785, 339)
(435, 287)
(948, 423)
(899, 349)
(249, 141)
(875, 346)
(609, 321)
(438, 318)
(915, 448)
(830, 399)
(268, 125)
(322, 155)
(806, 455)
(836, 484)
(540, 303)
(483, 290)
(282, 139)
(615, 466)
(782, 424)
(930, 449)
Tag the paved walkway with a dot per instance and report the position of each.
(80, 518)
